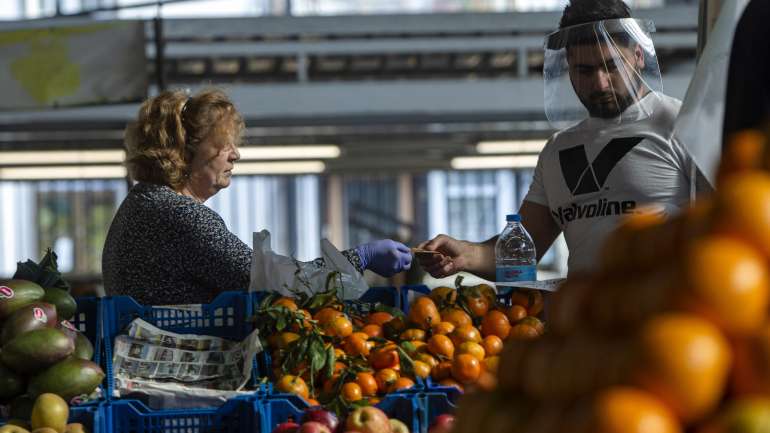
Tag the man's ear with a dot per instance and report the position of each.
(639, 57)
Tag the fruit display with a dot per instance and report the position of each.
(41, 352)
(49, 414)
(366, 419)
(669, 334)
(343, 355)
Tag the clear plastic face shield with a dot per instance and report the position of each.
(604, 69)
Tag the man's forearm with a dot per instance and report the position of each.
(483, 259)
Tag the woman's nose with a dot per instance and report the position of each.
(235, 155)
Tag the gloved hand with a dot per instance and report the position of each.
(385, 257)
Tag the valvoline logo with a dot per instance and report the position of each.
(6, 292)
(39, 315)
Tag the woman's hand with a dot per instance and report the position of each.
(385, 257)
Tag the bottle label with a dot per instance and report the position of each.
(516, 273)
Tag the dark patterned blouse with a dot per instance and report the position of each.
(164, 248)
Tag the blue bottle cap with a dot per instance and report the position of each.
(513, 217)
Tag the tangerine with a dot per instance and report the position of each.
(423, 313)
(495, 323)
(466, 368)
(441, 346)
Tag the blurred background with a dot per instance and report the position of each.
(365, 119)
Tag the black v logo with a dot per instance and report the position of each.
(584, 178)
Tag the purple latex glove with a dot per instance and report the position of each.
(385, 257)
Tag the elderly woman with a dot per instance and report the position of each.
(164, 245)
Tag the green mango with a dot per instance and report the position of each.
(68, 379)
(36, 315)
(83, 348)
(11, 384)
(65, 303)
(15, 294)
(36, 350)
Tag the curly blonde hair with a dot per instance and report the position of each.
(169, 129)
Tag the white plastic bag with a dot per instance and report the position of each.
(273, 272)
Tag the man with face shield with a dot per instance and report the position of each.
(613, 153)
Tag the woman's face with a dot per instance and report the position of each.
(212, 166)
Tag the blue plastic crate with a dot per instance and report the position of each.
(410, 293)
(227, 316)
(237, 415)
(434, 402)
(280, 408)
(88, 320)
(92, 417)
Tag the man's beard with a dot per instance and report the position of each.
(607, 105)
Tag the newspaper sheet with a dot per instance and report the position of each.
(176, 370)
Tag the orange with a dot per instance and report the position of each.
(339, 353)
(331, 383)
(443, 328)
(751, 365)
(293, 385)
(491, 364)
(451, 382)
(456, 317)
(492, 345)
(313, 402)
(516, 313)
(486, 381)
(338, 367)
(421, 369)
(478, 305)
(385, 378)
(443, 295)
(338, 326)
(744, 151)
(423, 313)
(372, 330)
(685, 362)
(413, 334)
(284, 339)
(630, 410)
(495, 323)
(354, 345)
(351, 392)
(384, 357)
(730, 283)
(472, 348)
(367, 382)
(379, 318)
(401, 383)
(326, 314)
(743, 208)
(533, 322)
(426, 358)
(523, 332)
(393, 328)
(532, 300)
(465, 333)
(305, 321)
(442, 371)
(441, 346)
(285, 302)
(466, 368)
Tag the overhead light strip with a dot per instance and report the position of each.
(493, 162)
(283, 167)
(63, 172)
(43, 157)
(326, 151)
(515, 146)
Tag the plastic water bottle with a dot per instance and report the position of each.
(515, 256)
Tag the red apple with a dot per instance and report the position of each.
(318, 414)
(368, 420)
(313, 427)
(286, 427)
(442, 424)
(397, 426)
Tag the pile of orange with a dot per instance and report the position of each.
(452, 336)
(671, 334)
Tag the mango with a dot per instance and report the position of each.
(15, 294)
(10, 428)
(83, 347)
(36, 315)
(76, 427)
(11, 384)
(50, 411)
(65, 303)
(36, 350)
(68, 379)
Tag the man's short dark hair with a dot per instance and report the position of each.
(586, 11)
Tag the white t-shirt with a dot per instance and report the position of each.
(593, 173)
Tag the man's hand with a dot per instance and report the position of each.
(455, 256)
